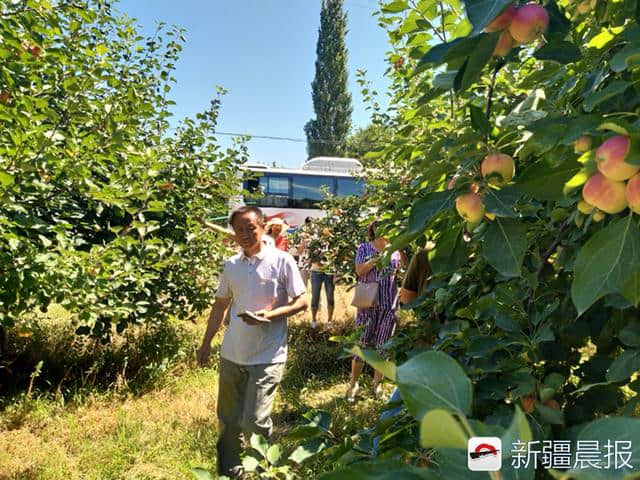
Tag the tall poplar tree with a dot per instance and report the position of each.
(327, 133)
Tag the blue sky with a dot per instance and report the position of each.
(263, 52)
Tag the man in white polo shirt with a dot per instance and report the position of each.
(264, 281)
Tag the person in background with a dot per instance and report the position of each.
(276, 228)
(380, 320)
(321, 274)
(302, 251)
(417, 277)
(414, 285)
(266, 282)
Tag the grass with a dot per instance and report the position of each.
(113, 419)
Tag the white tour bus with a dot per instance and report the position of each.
(293, 194)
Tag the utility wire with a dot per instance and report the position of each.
(285, 139)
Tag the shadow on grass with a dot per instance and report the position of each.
(45, 357)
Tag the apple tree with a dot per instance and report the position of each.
(515, 149)
(101, 200)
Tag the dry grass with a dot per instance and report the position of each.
(158, 435)
(163, 433)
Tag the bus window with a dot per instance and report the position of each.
(349, 186)
(275, 190)
(277, 185)
(307, 190)
(252, 185)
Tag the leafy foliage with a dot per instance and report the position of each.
(100, 204)
(333, 239)
(536, 302)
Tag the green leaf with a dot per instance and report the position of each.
(578, 180)
(542, 182)
(479, 121)
(445, 52)
(608, 431)
(625, 365)
(451, 251)
(444, 81)
(273, 454)
(381, 470)
(259, 444)
(430, 94)
(480, 56)
(560, 51)
(396, 6)
(482, 12)
(452, 465)
(619, 126)
(425, 208)
(373, 358)
(605, 263)
(602, 39)
(502, 202)
(202, 474)
(250, 464)
(559, 24)
(434, 380)
(596, 98)
(439, 428)
(518, 431)
(550, 415)
(303, 432)
(6, 180)
(630, 335)
(628, 57)
(504, 245)
(319, 418)
(308, 449)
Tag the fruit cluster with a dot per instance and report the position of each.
(519, 26)
(616, 184)
(497, 169)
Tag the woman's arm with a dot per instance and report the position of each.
(363, 268)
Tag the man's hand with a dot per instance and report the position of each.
(203, 354)
(260, 313)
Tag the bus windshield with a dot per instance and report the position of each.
(298, 190)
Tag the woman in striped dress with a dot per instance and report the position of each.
(379, 321)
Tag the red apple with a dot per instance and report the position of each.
(611, 155)
(501, 164)
(528, 403)
(5, 96)
(529, 21)
(470, 207)
(606, 194)
(583, 144)
(502, 21)
(633, 193)
(504, 44)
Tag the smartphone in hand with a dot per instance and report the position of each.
(254, 317)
